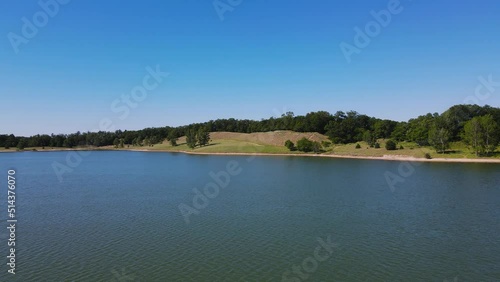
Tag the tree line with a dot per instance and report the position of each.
(475, 125)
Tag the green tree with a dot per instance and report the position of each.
(316, 121)
(369, 138)
(384, 128)
(316, 147)
(23, 142)
(390, 145)
(154, 139)
(173, 142)
(347, 127)
(439, 138)
(10, 141)
(456, 117)
(67, 143)
(481, 134)
(490, 133)
(305, 145)
(136, 141)
(116, 142)
(289, 144)
(399, 133)
(418, 129)
(191, 138)
(203, 136)
(326, 144)
(172, 138)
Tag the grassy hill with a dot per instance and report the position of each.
(273, 143)
(230, 142)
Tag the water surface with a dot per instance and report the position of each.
(116, 217)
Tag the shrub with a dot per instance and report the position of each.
(305, 145)
(289, 144)
(173, 142)
(377, 145)
(401, 147)
(428, 156)
(390, 145)
(358, 146)
(326, 144)
(316, 147)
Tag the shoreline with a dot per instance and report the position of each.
(383, 158)
(401, 158)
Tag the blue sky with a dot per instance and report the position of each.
(264, 58)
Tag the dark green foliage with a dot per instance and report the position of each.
(116, 142)
(137, 141)
(481, 134)
(203, 136)
(399, 133)
(23, 142)
(439, 138)
(348, 127)
(191, 138)
(305, 145)
(173, 142)
(369, 138)
(377, 145)
(67, 143)
(457, 116)
(390, 145)
(326, 144)
(342, 127)
(289, 144)
(418, 129)
(316, 147)
(358, 146)
(384, 128)
(401, 147)
(316, 121)
(172, 137)
(428, 156)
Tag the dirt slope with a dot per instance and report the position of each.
(276, 138)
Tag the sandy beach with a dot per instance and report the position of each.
(400, 158)
(384, 158)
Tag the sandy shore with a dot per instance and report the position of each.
(384, 158)
(400, 158)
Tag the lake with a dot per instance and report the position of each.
(139, 216)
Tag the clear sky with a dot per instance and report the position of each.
(263, 58)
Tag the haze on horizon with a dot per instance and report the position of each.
(255, 60)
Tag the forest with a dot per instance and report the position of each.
(476, 126)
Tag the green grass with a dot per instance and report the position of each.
(457, 149)
(410, 149)
(223, 146)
